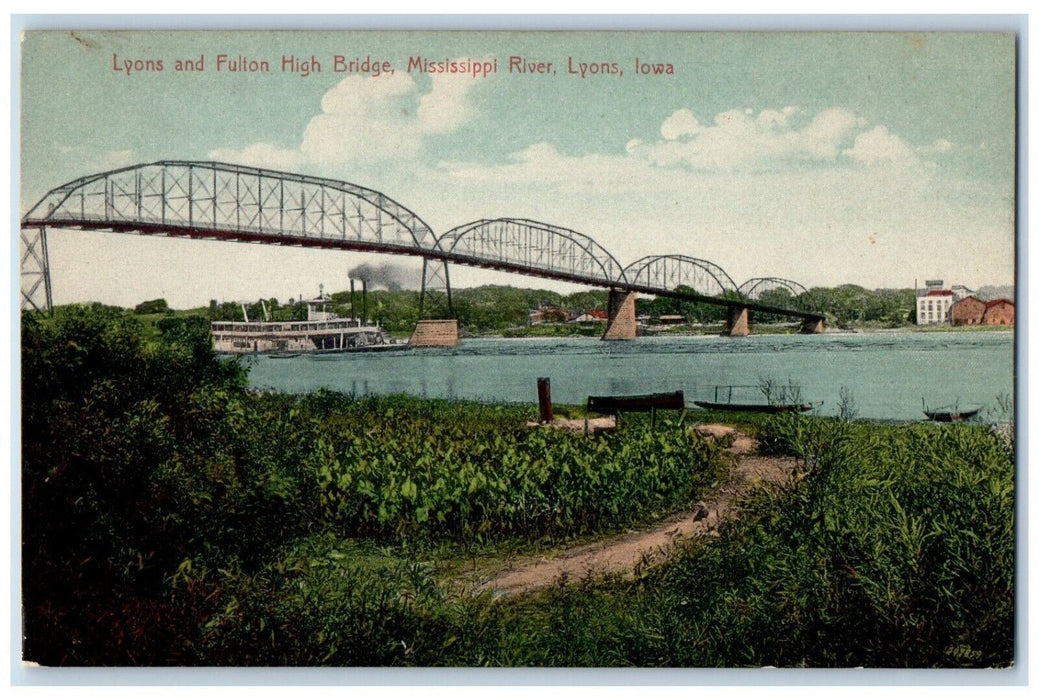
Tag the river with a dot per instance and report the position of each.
(886, 373)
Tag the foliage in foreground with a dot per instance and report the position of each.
(149, 470)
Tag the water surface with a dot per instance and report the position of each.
(887, 373)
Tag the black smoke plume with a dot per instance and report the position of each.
(392, 277)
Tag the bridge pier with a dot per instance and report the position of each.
(621, 324)
(737, 322)
(812, 325)
(435, 333)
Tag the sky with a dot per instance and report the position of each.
(826, 158)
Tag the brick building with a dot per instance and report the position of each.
(999, 312)
(971, 311)
(967, 312)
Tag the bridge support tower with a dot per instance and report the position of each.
(35, 283)
(435, 332)
(621, 324)
(737, 323)
(812, 325)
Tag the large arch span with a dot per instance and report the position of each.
(233, 202)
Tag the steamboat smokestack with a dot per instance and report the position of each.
(364, 303)
(353, 308)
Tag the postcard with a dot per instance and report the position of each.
(686, 349)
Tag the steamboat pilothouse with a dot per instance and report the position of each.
(322, 332)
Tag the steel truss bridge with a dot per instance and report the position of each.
(220, 201)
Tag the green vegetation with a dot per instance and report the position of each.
(173, 516)
(896, 550)
(395, 467)
(155, 306)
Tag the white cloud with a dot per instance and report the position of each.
(541, 164)
(446, 106)
(879, 146)
(367, 121)
(682, 123)
(737, 191)
(739, 141)
(828, 130)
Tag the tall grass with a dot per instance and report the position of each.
(896, 550)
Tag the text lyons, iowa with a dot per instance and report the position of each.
(642, 67)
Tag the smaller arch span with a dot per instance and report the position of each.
(669, 272)
(531, 247)
(759, 289)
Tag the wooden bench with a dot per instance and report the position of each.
(615, 405)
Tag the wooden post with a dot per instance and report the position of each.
(545, 399)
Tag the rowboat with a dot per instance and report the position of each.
(950, 414)
(770, 405)
(758, 407)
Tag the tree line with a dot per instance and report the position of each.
(497, 308)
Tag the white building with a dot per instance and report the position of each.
(934, 302)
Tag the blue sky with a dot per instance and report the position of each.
(827, 158)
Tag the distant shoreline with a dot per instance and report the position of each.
(766, 330)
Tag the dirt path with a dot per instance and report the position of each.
(648, 547)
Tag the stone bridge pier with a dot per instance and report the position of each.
(737, 321)
(435, 333)
(812, 325)
(621, 323)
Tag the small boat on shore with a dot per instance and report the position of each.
(779, 404)
(950, 414)
(282, 355)
(759, 407)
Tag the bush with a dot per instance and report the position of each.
(155, 306)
